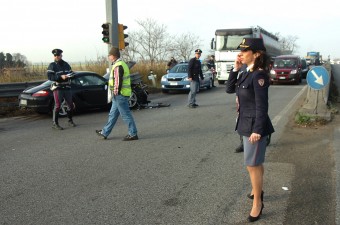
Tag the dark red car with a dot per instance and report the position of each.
(286, 69)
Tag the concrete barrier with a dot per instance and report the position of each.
(316, 101)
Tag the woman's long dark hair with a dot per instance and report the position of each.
(261, 62)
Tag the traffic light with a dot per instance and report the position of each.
(121, 36)
(106, 33)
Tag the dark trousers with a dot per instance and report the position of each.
(61, 94)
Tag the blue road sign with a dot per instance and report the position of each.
(317, 77)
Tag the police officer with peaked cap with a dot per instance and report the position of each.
(60, 72)
(194, 75)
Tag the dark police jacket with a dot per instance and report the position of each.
(195, 69)
(56, 69)
(252, 91)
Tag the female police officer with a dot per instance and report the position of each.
(253, 123)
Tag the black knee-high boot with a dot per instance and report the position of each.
(55, 120)
(70, 120)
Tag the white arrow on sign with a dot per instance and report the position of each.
(318, 80)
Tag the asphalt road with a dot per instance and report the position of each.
(182, 171)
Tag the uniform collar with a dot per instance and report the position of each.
(250, 67)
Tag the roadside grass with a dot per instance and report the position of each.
(37, 72)
(306, 120)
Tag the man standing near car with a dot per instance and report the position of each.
(120, 87)
(194, 74)
(60, 72)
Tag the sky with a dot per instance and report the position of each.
(34, 27)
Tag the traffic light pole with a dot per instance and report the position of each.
(112, 18)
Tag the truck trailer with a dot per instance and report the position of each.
(226, 42)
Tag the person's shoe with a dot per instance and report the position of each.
(195, 105)
(191, 106)
(253, 219)
(99, 133)
(239, 149)
(130, 138)
(57, 127)
(71, 123)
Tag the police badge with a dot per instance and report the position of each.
(261, 82)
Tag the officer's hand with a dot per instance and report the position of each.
(64, 77)
(254, 137)
(238, 62)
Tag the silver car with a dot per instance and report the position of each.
(177, 78)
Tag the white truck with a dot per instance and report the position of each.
(226, 42)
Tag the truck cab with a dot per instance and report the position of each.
(226, 42)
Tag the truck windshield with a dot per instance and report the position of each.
(229, 42)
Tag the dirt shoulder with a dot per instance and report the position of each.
(310, 150)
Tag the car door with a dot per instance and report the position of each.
(207, 75)
(90, 90)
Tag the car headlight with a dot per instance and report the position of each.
(293, 72)
(272, 72)
(186, 79)
(164, 78)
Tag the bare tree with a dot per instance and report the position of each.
(185, 44)
(150, 43)
(288, 44)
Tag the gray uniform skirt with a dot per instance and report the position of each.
(254, 154)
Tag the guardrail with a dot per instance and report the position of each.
(8, 90)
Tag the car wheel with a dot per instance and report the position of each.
(63, 108)
(221, 81)
(165, 91)
(133, 100)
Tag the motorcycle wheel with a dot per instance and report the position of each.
(133, 100)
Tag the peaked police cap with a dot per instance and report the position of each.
(255, 44)
(57, 52)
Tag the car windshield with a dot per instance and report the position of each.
(179, 68)
(285, 63)
(183, 68)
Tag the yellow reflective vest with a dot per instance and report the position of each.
(126, 83)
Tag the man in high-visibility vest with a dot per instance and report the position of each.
(120, 91)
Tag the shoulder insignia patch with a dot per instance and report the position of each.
(261, 82)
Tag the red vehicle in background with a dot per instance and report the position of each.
(286, 69)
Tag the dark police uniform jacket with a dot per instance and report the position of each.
(195, 69)
(252, 91)
(56, 69)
